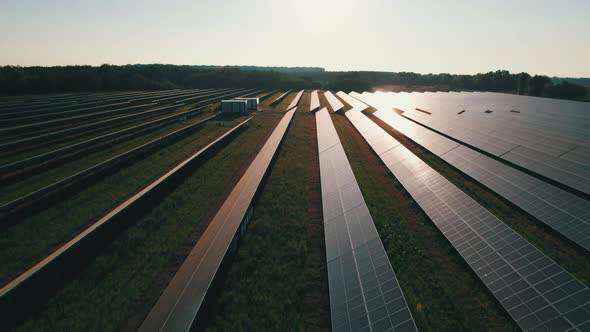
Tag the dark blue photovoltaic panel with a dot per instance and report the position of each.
(536, 292)
(566, 213)
(364, 292)
(547, 136)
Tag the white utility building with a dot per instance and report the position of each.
(234, 106)
(252, 102)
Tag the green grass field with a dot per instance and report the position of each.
(122, 283)
(267, 283)
(34, 237)
(44, 178)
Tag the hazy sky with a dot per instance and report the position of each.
(539, 37)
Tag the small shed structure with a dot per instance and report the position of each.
(234, 106)
(252, 102)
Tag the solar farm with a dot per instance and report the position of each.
(316, 210)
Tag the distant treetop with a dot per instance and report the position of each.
(20, 80)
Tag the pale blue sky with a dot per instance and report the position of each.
(540, 37)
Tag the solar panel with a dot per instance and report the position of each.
(247, 92)
(26, 109)
(267, 94)
(295, 100)
(32, 275)
(177, 307)
(184, 94)
(334, 102)
(364, 291)
(279, 98)
(579, 154)
(546, 136)
(59, 123)
(355, 103)
(35, 119)
(558, 169)
(315, 101)
(110, 122)
(535, 291)
(558, 209)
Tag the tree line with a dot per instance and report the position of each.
(24, 80)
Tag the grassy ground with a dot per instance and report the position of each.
(32, 238)
(119, 286)
(266, 285)
(324, 102)
(317, 300)
(566, 254)
(282, 106)
(443, 294)
(265, 104)
(303, 105)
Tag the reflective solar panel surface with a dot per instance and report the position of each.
(295, 100)
(535, 291)
(364, 291)
(267, 94)
(547, 136)
(279, 98)
(315, 101)
(334, 102)
(566, 213)
(177, 307)
(75, 242)
(355, 103)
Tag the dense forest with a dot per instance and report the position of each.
(20, 80)
(584, 81)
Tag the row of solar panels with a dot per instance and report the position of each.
(62, 97)
(24, 134)
(534, 290)
(315, 101)
(364, 291)
(33, 279)
(33, 284)
(29, 198)
(334, 102)
(178, 306)
(314, 105)
(558, 209)
(101, 124)
(38, 101)
(35, 116)
(295, 100)
(94, 100)
(112, 110)
(548, 137)
(32, 160)
(279, 98)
